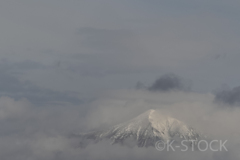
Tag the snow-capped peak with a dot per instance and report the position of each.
(146, 129)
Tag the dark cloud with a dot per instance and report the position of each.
(229, 96)
(167, 82)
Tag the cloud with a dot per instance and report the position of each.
(33, 132)
(42, 132)
(167, 82)
(230, 96)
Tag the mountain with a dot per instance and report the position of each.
(146, 129)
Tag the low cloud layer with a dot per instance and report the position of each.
(30, 132)
(36, 132)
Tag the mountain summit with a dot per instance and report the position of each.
(146, 129)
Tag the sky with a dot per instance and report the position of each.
(72, 66)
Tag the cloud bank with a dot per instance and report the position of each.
(36, 133)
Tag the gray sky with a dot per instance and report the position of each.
(89, 46)
(64, 58)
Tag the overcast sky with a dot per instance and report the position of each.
(61, 58)
(89, 46)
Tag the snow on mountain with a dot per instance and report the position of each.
(146, 129)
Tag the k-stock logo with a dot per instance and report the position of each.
(192, 145)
